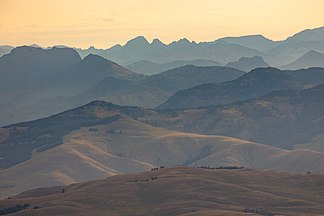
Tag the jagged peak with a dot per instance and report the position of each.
(139, 40)
(184, 41)
(156, 41)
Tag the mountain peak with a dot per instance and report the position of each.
(248, 63)
(100, 103)
(137, 41)
(30, 50)
(156, 42)
(93, 56)
(184, 41)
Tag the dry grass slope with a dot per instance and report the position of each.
(129, 146)
(181, 191)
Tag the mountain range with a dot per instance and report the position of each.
(138, 53)
(239, 117)
(224, 50)
(36, 82)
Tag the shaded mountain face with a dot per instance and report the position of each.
(312, 75)
(140, 91)
(39, 82)
(309, 59)
(248, 64)
(189, 76)
(92, 69)
(281, 118)
(254, 84)
(29, 64)
(30, 75)
(181, 191)
(150, 68)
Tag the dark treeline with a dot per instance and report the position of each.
(222, 167)
(259, 211)
(14, 209)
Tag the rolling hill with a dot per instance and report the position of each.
(101, 139)
(180, 191)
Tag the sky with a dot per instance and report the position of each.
(104, 23)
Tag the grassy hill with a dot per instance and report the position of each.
(181, 191)
(101, 139)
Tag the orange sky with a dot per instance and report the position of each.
(103, 23)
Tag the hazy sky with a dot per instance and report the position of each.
(103, 23)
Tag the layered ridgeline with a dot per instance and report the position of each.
(254, 84)
(281, 118)
(149, 68)
(139, 49)
(309, 59)
(248, 64)
(101, 139)
(36, 82)
(179, 191)
(138, 52)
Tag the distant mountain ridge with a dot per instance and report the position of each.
(254, 84)
(39, 82)
(248, 64)
(223, 50)
(149, 68)
(309, 59)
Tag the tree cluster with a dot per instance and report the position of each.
(157, 168)
(259, 211)
(14, 209)
(222, 167)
